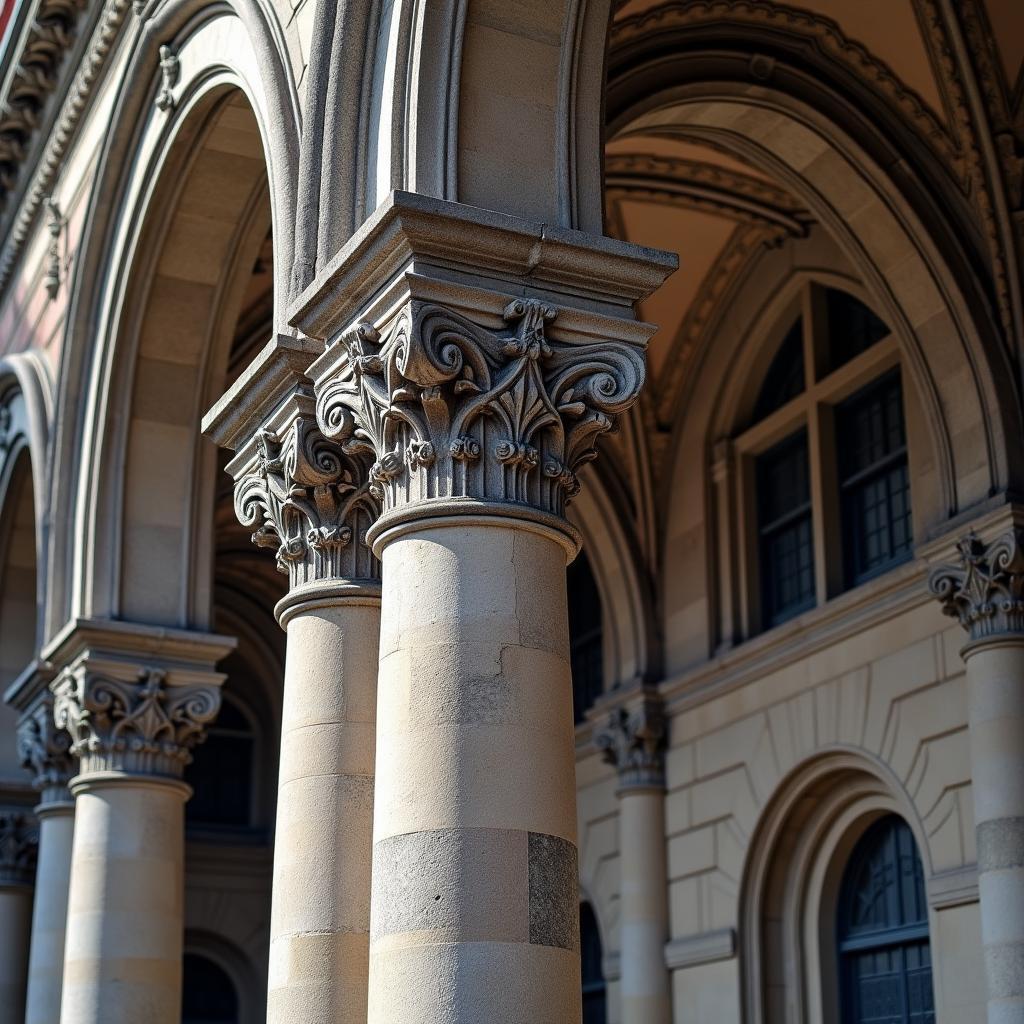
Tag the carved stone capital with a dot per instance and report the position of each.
(452, 409)
(634, 740)
(309, 499)
(143, 727)
(45, 751)
(985, 589)
(19, 843)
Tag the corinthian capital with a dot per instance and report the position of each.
(985, 589)
(634, 741)
(19, 842)
(309, 499)
(450, 409)
(144, 727)
(45, 750)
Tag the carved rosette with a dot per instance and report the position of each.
(45, 751)
(985, 591)
(634, 741)
(310, 500)
(143, 728)
(19, 844)
(449, 409)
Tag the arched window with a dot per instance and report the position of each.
(594, 1001)
(585, 648)
(208, 994)
(822, 482)
(221, 773)
(884, 952)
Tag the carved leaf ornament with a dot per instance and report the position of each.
(634, 742)
(447, 408)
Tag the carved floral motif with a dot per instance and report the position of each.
(447, 408)
(19, 843)
(985, 591)
(634, 741)
(310, 500)
(45, 750)
(145, 727)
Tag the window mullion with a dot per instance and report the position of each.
(823, 491)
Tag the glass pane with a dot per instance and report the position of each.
(585, 647)
(208, 996)
(852, 328)
(784, 520)
(221, 778)
(785, 377)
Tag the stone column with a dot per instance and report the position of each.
(18, 843)
(45, 751)
(634, 741)
(310, 502)
(448, 365)
(132, 724)
(985, 591)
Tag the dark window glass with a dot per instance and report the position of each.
(874, 479)
(208, 996)
(594, 1002)
(785, 377)
(784, 525)
(884, 951)
(852, 328)
(584, 636)
(221, 772)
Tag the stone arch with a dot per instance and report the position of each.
(485, 80)
(210, 170)
(790, 887)
(242, 972)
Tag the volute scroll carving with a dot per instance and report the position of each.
(310, 500)
(634, 741)
(985, 591)
(144, 727)
(446, 408)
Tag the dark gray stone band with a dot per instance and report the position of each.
(477, 885)
(1001, 844)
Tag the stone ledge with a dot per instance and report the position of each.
(705, 948)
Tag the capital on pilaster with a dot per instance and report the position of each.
(984, 590)
(634, 741)
(45, 751)
(19, 844)
(141, 726)
(308, 498)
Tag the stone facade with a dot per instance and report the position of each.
(627, 394)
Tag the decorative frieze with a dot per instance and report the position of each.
(45, 751)
(449, 409)
(144, 727)
(634, 740)
(19, 843)
(309, 499)
(985, 590)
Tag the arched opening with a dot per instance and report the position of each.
(885, 965)
(595, 1001)
(208, 994)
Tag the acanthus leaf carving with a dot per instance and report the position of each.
(143, 727)
(45, 750)
(19, 845)
(634, 741)
(985, 591)
(310, 501)
(449, 409)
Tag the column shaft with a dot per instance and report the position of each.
(126, 902)
(475, 911)
(646, 995)
(49, 913)
(320, 919)
(995, 680)
(15, 925)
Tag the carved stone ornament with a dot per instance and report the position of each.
(6, 421)
(450, 409)
(634, 741)
(54, 225)
(170, 72)
(310, 500)
(985, 591)
(145, 728)
(45, 751)
(19, 844)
